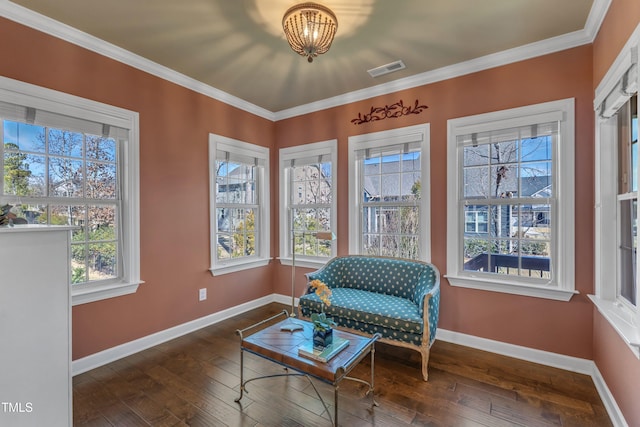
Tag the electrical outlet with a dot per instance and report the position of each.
(202, 294)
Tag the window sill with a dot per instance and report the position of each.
(511, 288)
(92, 293)
(614, 314)
(232, 268)
(306, 262)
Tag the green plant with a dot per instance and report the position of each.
(321, 322)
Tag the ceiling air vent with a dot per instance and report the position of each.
(386, 69)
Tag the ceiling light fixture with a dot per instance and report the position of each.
(309, 28)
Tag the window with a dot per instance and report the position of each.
(70, 161)
(476, 221)
(239, 204)
(308, 202)
(388, 187)
(627, 123)
(509, 229)
(616, 255)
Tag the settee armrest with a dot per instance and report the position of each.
(327, 274)
(428, 284)
(427, 297)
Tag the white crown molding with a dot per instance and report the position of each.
(544, 47)
(47, 25)
(598, 11)
(72, 35)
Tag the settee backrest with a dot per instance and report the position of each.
(392, 276)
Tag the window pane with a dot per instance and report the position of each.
(504, 181)
(101, 222)
(409, 220)
(371, 190)
(390, 245)
(476, 156)
(390, 187)
(476, 183)
(100, 148)
(101, 260)
(371, 244)
(101, 180)
(238, 185)
(69, 215)
(500, 220)
(24, 174)
(534, 149)
(65, 177)
(628, 249)
(476, 254)
(34, 214)
(236, 234)
(409, 247)
(24, 137)
(65, 143)
(78, 263)
(508, 239)
(535, 179)
(51, 164)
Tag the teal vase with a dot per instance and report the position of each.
(322, 338)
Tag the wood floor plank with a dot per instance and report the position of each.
(193, 381)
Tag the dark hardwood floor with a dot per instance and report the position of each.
(193, 380)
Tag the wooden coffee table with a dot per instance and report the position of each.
(281, 347)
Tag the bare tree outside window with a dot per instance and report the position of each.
(391, 190)
(67, 178)
(311, 197)
(508, 192)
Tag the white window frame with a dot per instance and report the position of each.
(262, 257)
(563, 234)
(609, 97)
(322, 148)
(21, 93)
(410, 134)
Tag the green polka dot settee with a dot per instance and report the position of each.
(395, 297)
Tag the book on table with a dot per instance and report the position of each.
(325, 354)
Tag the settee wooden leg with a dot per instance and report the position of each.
(425, 364)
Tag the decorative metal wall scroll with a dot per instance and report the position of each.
(388, 111)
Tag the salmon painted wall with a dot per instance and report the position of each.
(174, 213)
(617, 364)
(559, 327)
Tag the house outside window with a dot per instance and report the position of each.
(71, 161)
(239, 205)
(388, 189)
(616, 242)
(308, 187)
(476, 220)
(510, 201)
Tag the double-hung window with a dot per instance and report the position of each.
(510, 201)
(616, 243)
(239, 200)
(308, 182)
(70, 161)
(388, 193)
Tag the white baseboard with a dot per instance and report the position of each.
(573, 364)
(615, 414)
(112, 354)
(569, 363)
